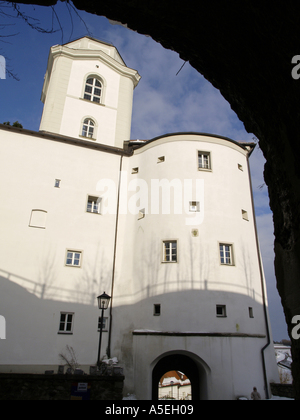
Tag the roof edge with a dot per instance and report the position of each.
(248, 146)
(69, 140)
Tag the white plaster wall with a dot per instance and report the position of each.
(76, 108)
(232, 366)
(35, 283)
(56, 83)
(190, 289)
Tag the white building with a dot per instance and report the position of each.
(284, 360)
(166, 227)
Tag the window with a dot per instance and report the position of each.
(38, 218)
(93, 204)
(240, 167)
(161, 159)
(226, 256)
(251, 313)
(141, 214)
(204, 160)
(73, 258)
(156, 309)
(194, 206)
(169, 251)
(57, 183)
(221, 311)
(245, 215)
(88, 128)
(92, 91)
(135, 170)
(66, 322)
(104, 323)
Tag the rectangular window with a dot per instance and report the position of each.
(221, 311)
(141, 214)
(135, 170)
(240, 167)
(226, 254)
(38, 218)
(160, 159)
(104, 323)
(194, 206)
(57, 183)
(169, 251)
(73, 258)
(204, 161)
(245, 215)
(251, 313)
(156, 309)
(66, 323)
(93, 204)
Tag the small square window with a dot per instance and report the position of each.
(57, 183)
(240, 167)
(251, 312)
(160, 159)
(204, 160)
(73, 258)
(156, 309)
(245, 215)
(93, 204)
(66, 323)
(141, 214)
(135, 170)
(38, 218)
(169, 251)
(194, 206)
(226, 254)
(104, 323)
(221, 311)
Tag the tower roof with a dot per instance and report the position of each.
(90, 43)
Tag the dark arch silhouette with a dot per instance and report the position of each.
(245, 49)
(179, 362)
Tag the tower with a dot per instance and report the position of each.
(87, 92)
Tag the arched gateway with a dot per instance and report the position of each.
(192, 366)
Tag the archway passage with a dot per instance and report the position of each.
(180, 363)
(174, 385)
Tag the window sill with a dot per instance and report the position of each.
(169, 262)
(92, 102)
(64, 333)
(204, 169)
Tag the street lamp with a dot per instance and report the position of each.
(103, 302)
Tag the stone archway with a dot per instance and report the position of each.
(183, 362)
(245, 50)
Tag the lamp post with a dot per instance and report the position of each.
(103, 302)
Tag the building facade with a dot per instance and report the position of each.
(166, 227)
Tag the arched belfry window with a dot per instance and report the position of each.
(88, 128)
(93, 89)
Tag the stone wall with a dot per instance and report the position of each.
(283, 390)
(60, 387)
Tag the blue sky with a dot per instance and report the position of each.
(164, 101)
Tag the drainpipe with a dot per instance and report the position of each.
(114, 262)
(262, 286)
